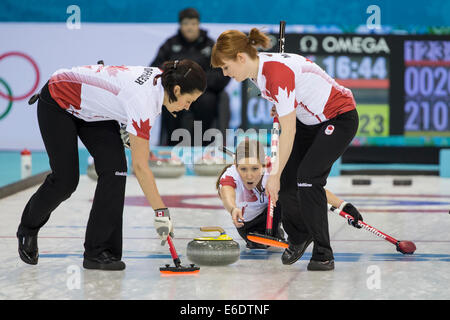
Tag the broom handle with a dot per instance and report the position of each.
(173, 252)
(274, 137)
(364, 225)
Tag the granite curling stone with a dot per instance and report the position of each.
(209, 166)
(210, 251)
(165, 167)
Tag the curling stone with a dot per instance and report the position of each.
(209, 166)
(91, 173)
(166, 168)
(210, 251)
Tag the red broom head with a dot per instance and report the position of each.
(406, 247)
(179, 270)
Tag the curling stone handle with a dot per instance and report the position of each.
(209, 229)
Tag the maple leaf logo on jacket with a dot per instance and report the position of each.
(142, 129)
(280, 82)
(113, 70)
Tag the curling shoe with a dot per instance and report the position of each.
(105, 261)
(315, 265)
(28, 249)
(294, 252)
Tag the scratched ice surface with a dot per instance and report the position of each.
(367, 267)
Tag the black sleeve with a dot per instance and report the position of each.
(162, 56)
(216, 81)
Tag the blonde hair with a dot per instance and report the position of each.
(246, 149)
(231, 42)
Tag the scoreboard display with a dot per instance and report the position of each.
(401, 84)
(427, 87)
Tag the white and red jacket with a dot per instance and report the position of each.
(251, 202)
(293, 82)
(122, 93)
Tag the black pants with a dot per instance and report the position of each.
(204, 110)
(60, 131)
(258, 224)
(302, 194)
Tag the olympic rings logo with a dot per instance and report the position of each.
(9, 94)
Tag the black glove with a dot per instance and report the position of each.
(351, 210)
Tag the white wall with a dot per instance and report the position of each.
(53, 46)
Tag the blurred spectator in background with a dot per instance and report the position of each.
(212, 108)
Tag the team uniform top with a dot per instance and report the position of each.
(252, 202)
(126, 94)
(291, 82)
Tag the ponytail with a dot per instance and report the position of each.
(259, 39)
(231, 42)
(220, 176)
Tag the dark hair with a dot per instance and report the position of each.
(189, 13)
(185, 73)
(246, 149)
